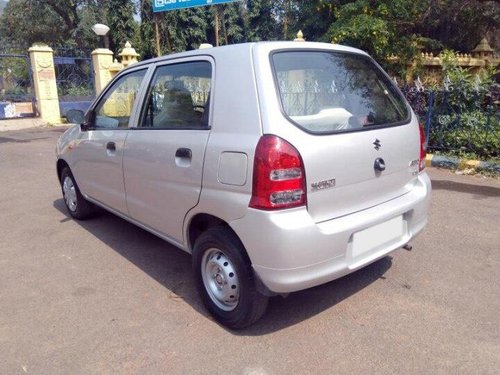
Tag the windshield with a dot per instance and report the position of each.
(327, 92)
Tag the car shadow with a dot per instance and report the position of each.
(171, 267)
(460, 187)
(302, 305)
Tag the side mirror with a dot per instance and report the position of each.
(75, 116)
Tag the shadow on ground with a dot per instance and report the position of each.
(172, 268)
(477, 190)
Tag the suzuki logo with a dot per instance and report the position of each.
(377, 144)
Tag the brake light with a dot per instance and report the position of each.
(278, 175)
(421, 164)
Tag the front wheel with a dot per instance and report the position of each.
(225, 279)
(78, 207)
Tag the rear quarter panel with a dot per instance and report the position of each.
(235, 127)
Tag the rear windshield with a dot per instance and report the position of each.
(328, 92)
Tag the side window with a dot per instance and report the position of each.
(179, 97)
(115, 108)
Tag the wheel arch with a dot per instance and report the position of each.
(61, 164)
(200, 223)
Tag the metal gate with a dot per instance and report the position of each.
(75, 79)
(17, 95)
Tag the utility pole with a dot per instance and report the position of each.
(157, 35)
(216, 8)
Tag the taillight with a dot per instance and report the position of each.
(421, 164)
(278, 175)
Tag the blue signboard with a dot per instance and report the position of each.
(164, 5)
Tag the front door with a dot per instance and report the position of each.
(163, 159)
(99, 166)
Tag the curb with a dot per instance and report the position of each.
(449, 162)
(21, 123)
(26, 123)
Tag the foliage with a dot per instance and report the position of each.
(381, 27)
(385, 28)
(313, 18)
(58, 22)
(19, 12)
(120, 19)
(183, 29)
(468, 131)
(14, 79)
(75, 90)
(459, 24)
(14, 94)
(467, 91)
(145, 43)
(231, 20)
(465, 115)
(260, 23)
(403, 27)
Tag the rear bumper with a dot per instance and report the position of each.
(290, 252)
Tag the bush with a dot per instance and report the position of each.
(14, 94)
(465, 115)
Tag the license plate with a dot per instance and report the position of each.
(377, 236)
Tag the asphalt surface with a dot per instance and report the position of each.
(104, 297)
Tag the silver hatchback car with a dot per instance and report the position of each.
(278, 165)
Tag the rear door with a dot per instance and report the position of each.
(163, 160)
(351, 126)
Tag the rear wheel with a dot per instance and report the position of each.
(78, 207)
(225, 279)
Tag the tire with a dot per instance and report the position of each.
(225, 279)
(78, 207)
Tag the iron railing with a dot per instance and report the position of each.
(17, 96)
(74, 78)
(456, 119)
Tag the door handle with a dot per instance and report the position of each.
(184, 153)
(111, 146)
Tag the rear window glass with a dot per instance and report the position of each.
(327, 92)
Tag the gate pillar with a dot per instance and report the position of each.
(44, 79)
(102, 58)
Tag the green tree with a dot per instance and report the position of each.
(146, 41)
(260, 21)
(231, 22)
(17, 13)
(183, 29)
(313, 18)
(460, 24)
(58, 22)
(403, 27)
(382, 28)
(120, 19)
(285, 12)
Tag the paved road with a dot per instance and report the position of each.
(104, 297)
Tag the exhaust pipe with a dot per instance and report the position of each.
(408, 247)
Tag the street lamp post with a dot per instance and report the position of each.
(102, 30)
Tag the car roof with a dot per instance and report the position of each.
(247, 48)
